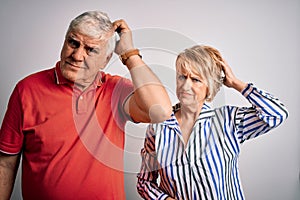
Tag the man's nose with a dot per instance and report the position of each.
(78, 54)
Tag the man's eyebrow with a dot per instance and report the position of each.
(71, 36)
(92, 46)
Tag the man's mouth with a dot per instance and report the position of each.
(73, 65)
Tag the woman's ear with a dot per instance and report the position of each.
(207, 97)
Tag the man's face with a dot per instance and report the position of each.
(82, 57)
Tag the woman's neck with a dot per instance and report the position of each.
(186, 117)
(189, 112)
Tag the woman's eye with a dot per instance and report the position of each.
(196, 80)
(181, 77)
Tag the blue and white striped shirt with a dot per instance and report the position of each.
(207, 167)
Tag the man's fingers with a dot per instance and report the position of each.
(120, 26)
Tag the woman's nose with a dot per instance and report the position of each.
(187, 84)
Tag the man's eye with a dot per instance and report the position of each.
(91, 50)
(73, 43)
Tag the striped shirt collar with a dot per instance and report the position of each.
(60, 79)
(206, 112)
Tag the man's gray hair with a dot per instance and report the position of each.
(95, 24)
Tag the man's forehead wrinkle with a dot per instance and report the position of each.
(86, 40)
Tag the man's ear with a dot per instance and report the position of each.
(109, 57)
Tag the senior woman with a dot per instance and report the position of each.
(195, 153)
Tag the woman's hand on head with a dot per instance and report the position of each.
(230, 79)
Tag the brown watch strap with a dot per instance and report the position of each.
(124, 57)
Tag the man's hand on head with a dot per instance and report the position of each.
(125, 43)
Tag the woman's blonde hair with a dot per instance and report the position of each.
(205, 62)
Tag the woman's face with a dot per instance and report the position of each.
(191, 89)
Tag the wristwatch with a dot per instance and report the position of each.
(124, 57)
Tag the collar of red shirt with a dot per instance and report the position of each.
(60, 79)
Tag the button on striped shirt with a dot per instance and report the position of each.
(207, 166)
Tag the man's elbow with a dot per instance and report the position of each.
(158, 113)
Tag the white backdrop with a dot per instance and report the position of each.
(259, 39)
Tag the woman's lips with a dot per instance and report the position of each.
(186, 94)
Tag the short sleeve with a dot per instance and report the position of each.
(11, 135)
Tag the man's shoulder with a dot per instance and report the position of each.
(38, 77)
(109, 78)
(41, 73)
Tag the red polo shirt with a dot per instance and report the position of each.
(72, 141)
